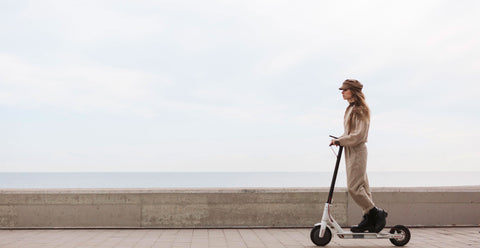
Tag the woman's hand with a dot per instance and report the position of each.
(334, 143)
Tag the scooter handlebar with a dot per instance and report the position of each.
(336, 142)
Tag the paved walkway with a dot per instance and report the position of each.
(459, 237)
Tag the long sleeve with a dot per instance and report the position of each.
(356, 136)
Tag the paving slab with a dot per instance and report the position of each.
(458, 237)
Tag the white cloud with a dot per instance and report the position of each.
(284, 61)
(409, 140)
(93, 87)
(76, 87)
(254, 82)
(90, 22)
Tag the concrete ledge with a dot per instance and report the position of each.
(442, 206)
(227, 207)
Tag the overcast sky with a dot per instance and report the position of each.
(235, 85)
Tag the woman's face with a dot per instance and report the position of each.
(347, 94)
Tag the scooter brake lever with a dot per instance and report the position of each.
(333, 150)
(331, 136)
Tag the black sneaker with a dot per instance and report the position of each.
(379, 217)
(365, 225)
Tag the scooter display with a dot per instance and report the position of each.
(321, 233)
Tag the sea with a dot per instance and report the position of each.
(86, 180)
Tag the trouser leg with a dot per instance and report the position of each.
(357, 180)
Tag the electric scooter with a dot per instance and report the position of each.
(321, 234)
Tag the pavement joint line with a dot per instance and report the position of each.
(459, 237)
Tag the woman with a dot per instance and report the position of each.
(356, 124)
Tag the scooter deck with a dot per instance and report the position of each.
(350, 235)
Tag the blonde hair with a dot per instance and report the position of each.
(360, 110)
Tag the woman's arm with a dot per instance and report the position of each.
(357, 136)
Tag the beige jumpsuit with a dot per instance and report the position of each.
(356, 161)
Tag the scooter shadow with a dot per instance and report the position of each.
(349, 245)
(354, 244)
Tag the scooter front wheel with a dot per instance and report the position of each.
(404, 232)
(315, 236)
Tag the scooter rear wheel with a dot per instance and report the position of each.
(402, 230)
(315, 236)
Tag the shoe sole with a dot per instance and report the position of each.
(359, 231)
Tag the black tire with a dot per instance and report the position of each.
(405, 235)
(315, 236)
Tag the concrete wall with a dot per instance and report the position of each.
(267, 207)
(445, 206)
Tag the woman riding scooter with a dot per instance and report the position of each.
(356, 125)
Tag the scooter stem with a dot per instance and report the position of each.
(332, 186)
